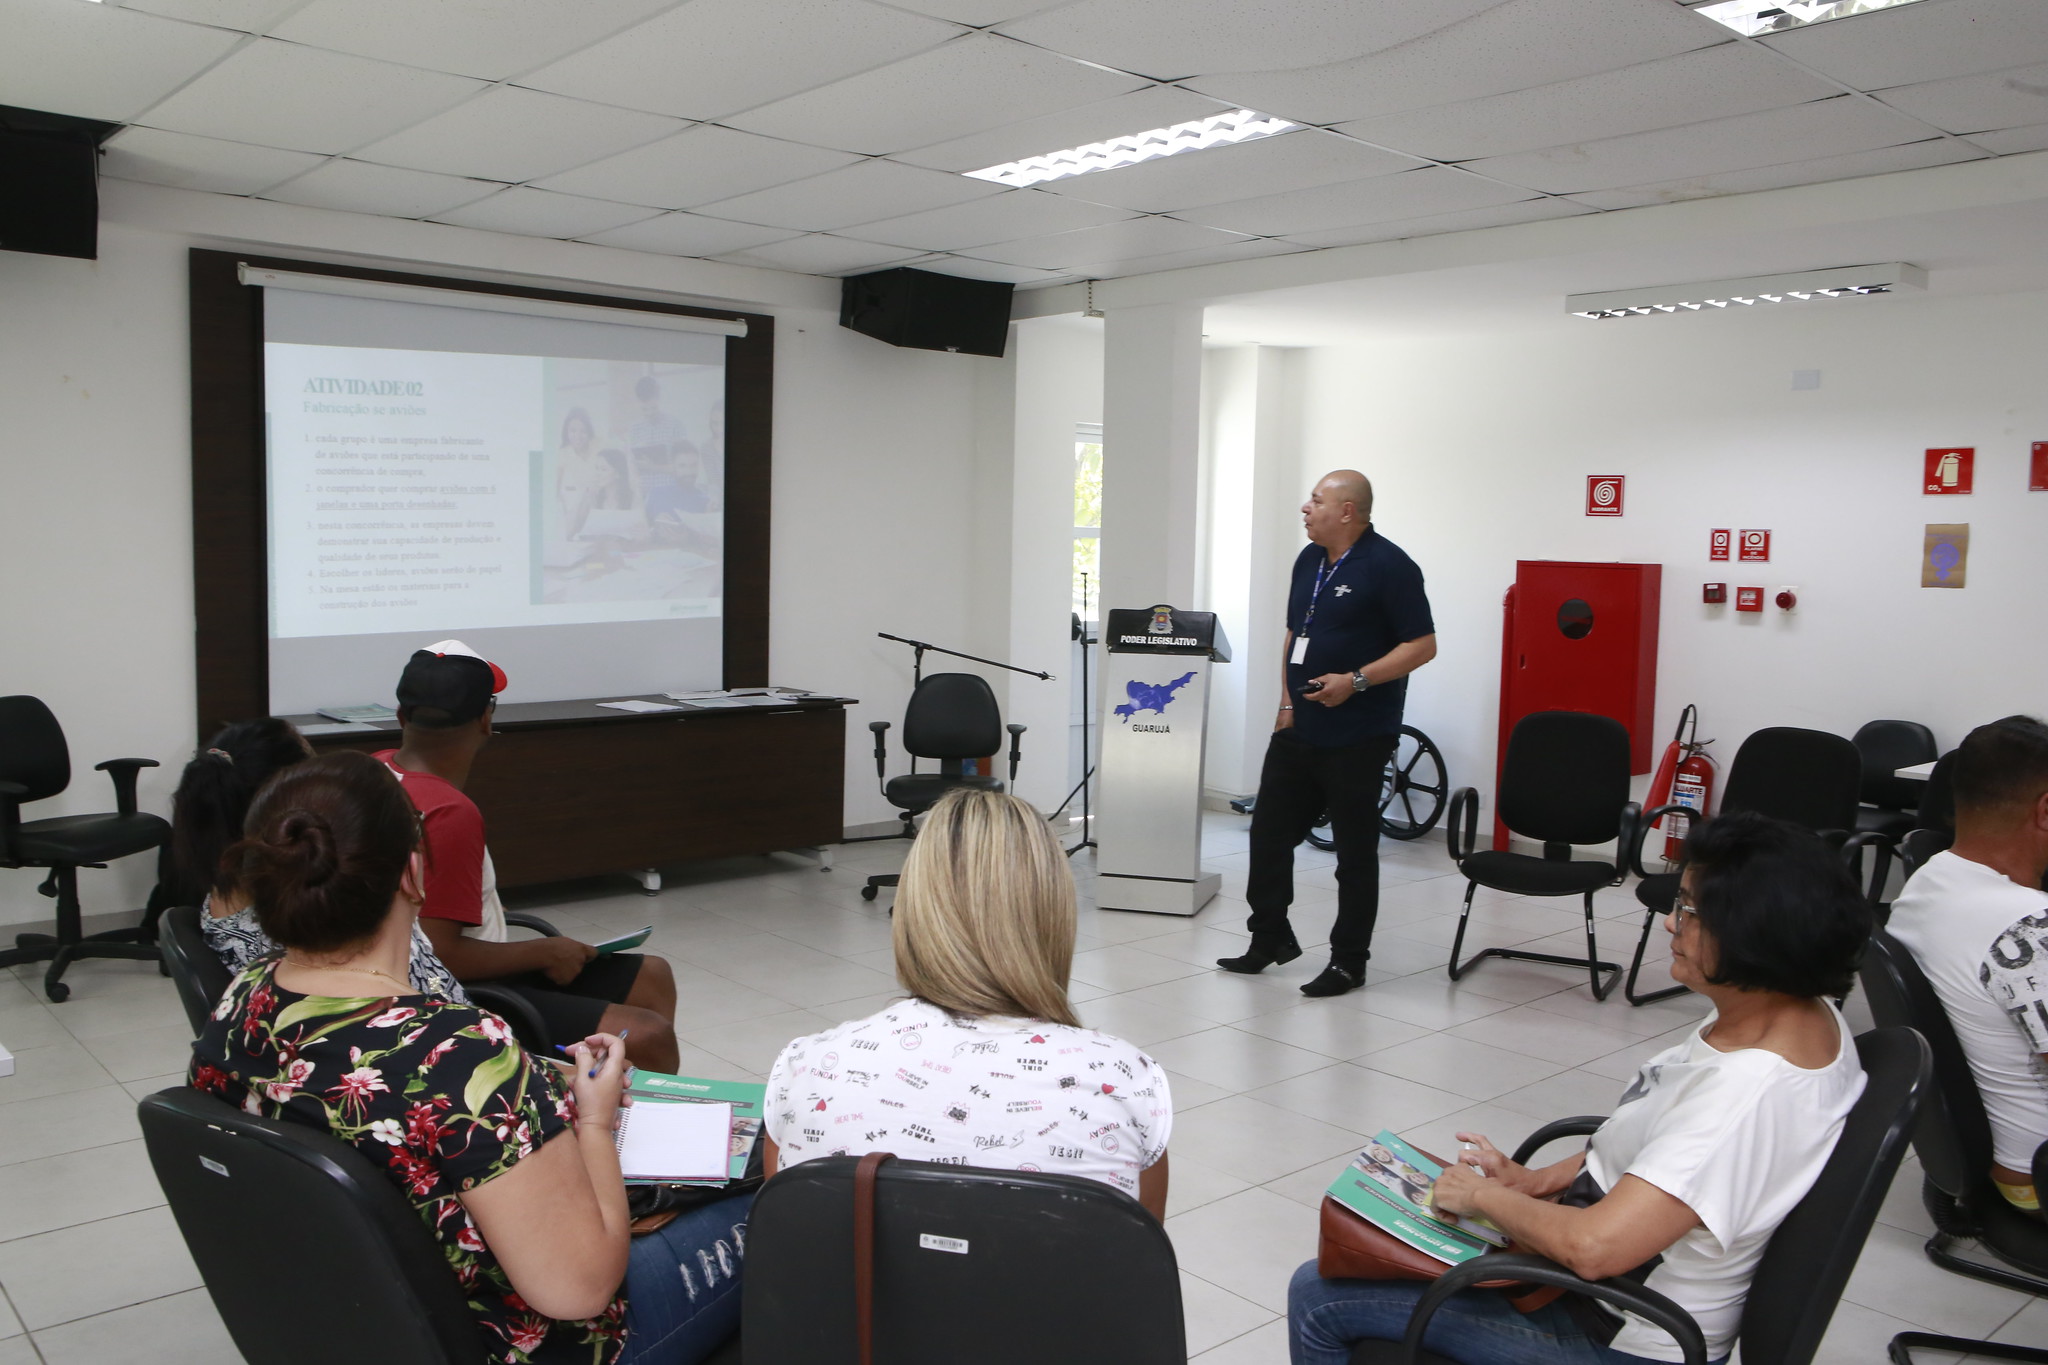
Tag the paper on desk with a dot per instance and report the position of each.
(639, 706)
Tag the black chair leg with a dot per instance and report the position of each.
(1938, 1251)
(1905, 1343)
(1635, 967)
(71, 942)
(1457, 968)
(1591, 961)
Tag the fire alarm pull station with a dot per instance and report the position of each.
(1787, 599)
(1749, 599)
(1714, 593)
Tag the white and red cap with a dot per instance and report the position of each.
(450, 678)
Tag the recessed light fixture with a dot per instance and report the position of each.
(1218, 130)
(1842, 282)
(1752, 17)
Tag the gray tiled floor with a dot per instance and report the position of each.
(1271, 1092)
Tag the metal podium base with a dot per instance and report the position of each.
(1155, 895)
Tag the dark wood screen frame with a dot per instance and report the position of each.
(230, 579)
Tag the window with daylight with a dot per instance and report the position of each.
(1087, 519)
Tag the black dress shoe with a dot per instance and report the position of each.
(1336, 979)
(1261, 956)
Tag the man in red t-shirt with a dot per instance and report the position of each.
(446, 697)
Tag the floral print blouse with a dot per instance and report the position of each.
(436, 1094)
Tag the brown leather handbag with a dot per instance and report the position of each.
(1350, 1248)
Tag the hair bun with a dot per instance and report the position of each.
(307, 839)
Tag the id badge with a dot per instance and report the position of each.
(1300, 655)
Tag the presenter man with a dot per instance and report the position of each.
(1358, 624)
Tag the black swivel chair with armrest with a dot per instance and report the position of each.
(1890, 802)
(952, 717)
(1807, 1261)
(1564, 782)
(35, 764)
(1808, 778)
(1954, 1143)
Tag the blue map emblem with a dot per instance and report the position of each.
(1150, 696)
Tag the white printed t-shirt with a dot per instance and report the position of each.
(1739, 1138)
(1982, 941)
(1012, 1094)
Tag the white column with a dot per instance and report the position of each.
(1152, 395)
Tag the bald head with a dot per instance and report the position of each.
(1348, 485)
(1338, 510)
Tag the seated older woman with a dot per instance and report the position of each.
(1705, 1153)
(986, 1063)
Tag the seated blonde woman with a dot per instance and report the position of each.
(986, 1064)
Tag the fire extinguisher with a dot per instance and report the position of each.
(1685, 777)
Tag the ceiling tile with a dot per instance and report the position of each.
(689, 234)
(2008, 141)
(1972, 104)
(1129, 239)
(1247, 170)
(538, 213)
(1713, 82)
(1000, 218)
(493, 39)
(1775, 136)
(1464, 220)
(710, 58)
(979, 13)
(1383, 198)
(819, 254)
(1169, 39)
(359, 187)
(699, 165)
(199, 163)
(94, 61)
(1156, 106)
(1934, 152)
(1181, 260)
(973, 83)
(248, 16)
(864, 192)
(301, 97)
(969, 268)
(514, 134)
(1510, 47)
(1916, 43)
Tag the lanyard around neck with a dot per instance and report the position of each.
(1324, 571)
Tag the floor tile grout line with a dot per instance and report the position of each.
(122, 1308)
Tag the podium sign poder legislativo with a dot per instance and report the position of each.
(1155, 715)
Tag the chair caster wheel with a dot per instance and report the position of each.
(57, 991)
(867, 893)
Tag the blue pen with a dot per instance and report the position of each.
(593, 1071)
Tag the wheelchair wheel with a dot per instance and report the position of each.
(1411, 795)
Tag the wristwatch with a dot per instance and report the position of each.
(1358, 682)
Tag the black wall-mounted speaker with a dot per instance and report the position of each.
(49, 182)
(927, 310)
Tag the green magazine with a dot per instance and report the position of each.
(1388, 1184)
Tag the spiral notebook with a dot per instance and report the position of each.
(674, 1141)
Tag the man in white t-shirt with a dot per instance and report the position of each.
(1976, 920)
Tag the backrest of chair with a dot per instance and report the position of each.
(311, 1254)
(1565, 778)
(953, 715)
(1916, 846)
(1885, 747)
(1954, 1138)
(1808, 777)
(196, 970)
(1803, 1270)
(32, 748)
(996, 1266)
(1937, 808)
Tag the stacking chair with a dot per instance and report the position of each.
(952, 717)
(1890, 802)
(1564, 782)
(1804, 1266)
(1808, 778)
(1954, 1143)
(35, 764)
(998, 1267)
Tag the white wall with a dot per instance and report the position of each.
(874, 498)
(1479, 449)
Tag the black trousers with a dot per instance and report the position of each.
(1299, 783)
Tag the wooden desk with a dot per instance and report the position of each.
(570, 789)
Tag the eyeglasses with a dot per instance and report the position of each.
(1680, 909)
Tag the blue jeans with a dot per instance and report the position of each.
(683, 1285)
(1326, 1318)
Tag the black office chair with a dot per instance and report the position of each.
(1954, 1143)
(1890, 802)
(952, 717)
(995, 1266)
(1564, 782)
(1808, 778)
(515, 1009)
(35, 764)
(1804, 1266)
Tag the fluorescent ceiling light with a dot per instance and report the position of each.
(1752, 17)
(1218, 130)
(1842, 282)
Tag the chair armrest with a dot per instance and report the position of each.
(1627, 1294)
(1646, 822)
(519, 919)
(515, 1009)
(1016, 742)
(1583, 1125)
(1625, 840)
(123, 771)
(880, 729)
(1461, 839)
(10, 816)
(1880, 864)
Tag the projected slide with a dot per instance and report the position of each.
(430, 490)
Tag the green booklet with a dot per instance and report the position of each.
(1388, 1184)
(623, 941)
(747, 1098)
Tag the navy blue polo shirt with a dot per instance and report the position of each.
(1372, 602)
